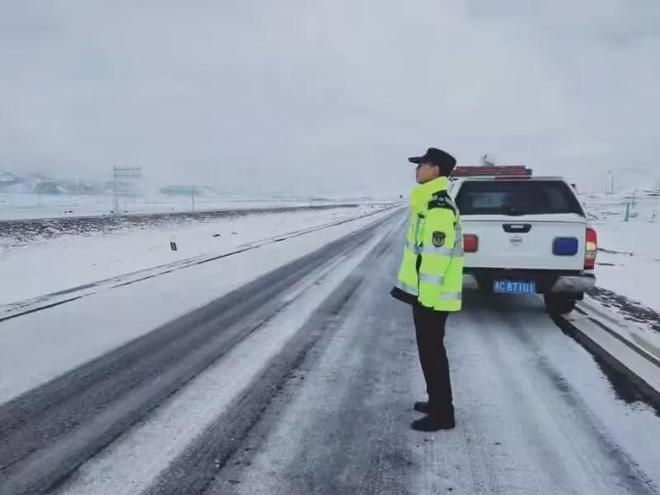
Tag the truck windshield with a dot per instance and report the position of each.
(517, 198)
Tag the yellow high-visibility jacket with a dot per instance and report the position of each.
(432, 267)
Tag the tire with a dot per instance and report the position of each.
(560, 304)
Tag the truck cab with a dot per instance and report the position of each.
(524, 235)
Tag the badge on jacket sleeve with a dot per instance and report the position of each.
(439, 239)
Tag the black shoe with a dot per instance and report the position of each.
(422, 406)
(425, 407)
(434, 422)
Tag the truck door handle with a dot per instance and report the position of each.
(517, 228)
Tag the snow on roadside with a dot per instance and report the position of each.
(629, 257)
(69, 261)
(15, 206)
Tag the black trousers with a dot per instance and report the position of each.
(430, 331)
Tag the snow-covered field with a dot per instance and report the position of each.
(52, 264)
(629, 257)
(18, 206)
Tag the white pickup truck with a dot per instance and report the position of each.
(526, 235)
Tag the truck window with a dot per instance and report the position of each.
(516, 198)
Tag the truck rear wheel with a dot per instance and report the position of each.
(560, 304)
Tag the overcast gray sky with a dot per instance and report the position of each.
(328, 96)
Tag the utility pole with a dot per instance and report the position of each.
(115, 196)
(122, 173)
(610, 182)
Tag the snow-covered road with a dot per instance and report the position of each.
(303, 381)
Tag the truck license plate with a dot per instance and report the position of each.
(514, 287)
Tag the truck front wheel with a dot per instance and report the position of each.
(560, 304)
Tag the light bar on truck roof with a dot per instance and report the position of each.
(493, 171)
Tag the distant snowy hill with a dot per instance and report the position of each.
(15, 183)
(40, 184)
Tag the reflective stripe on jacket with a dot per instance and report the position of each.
(432, 266)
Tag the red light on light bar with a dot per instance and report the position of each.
(510, 171)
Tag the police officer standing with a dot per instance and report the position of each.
(431, 280)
